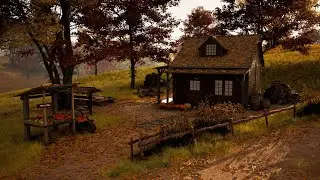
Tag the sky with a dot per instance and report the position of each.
(185, 7)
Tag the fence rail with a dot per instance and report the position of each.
(145, 141)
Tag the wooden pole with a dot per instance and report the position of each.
(231, 127)
(167, 87)
(141, 148)
(158, 86)
(26, 116)
(131, 148)
(193, 135)
(266, 117)
(46, 130)
(294, 110)
(72, 109)
(90, 104)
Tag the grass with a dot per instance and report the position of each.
(207, 144)
(16, 154)
(116, 83)
(301, 72)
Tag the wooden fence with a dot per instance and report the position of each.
(144, 142)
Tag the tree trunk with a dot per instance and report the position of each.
(95, 69)
(132, 72)
(67, 74)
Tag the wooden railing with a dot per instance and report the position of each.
(159, 137)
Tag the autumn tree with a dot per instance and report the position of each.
(128, 29)
(45, 24)
(199, 23)
(280, 22)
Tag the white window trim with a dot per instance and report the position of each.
(194, 85)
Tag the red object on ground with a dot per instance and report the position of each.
(82, 118)
(61, 117)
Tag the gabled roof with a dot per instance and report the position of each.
(240, 52)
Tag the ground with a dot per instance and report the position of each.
(289, 153)
(84, 156)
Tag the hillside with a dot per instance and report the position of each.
(301, 72)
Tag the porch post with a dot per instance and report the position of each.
(158, 85)
(168, 86)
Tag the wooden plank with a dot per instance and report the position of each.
(43, 105)
(280, 110)
(247, 119)
(144, 138)
(26, 116)
(46, 130)
(90, 104)
(213, 127)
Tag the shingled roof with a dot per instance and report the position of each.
(240, 52)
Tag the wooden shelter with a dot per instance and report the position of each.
(222, 68)
(76, 93)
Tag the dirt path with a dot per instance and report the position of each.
(84, 156)
(292, 153)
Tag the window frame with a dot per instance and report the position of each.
(228, 88)
(195, 85)
(218, 87)
(211, 50)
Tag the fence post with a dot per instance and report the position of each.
(231, 127)
(131, 148)
(140, 147)
(294, 110)
(266, 116)
(193, 135)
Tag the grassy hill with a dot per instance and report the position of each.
(299, 71)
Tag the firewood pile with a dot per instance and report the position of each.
(281, 93)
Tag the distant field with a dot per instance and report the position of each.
(301, 72)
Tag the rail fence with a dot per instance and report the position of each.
(154, 139)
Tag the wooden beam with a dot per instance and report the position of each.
(158, 86)
(46, 129)
(26, 116)
(90, 104)
(168, 87)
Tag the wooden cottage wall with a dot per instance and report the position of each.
(182, 93)
(255, 78)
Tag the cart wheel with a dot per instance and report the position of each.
(86, 127)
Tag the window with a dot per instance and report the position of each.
(218, 87)
(228, 88)
(211, 50)
(194, 85)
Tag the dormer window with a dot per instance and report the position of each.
(211, 49)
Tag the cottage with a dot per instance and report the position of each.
(222, 68)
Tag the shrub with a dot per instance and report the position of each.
(204, 115)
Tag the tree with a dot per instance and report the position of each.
(199, 23)
(128, 29)
(280, 22)
(45, 24)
